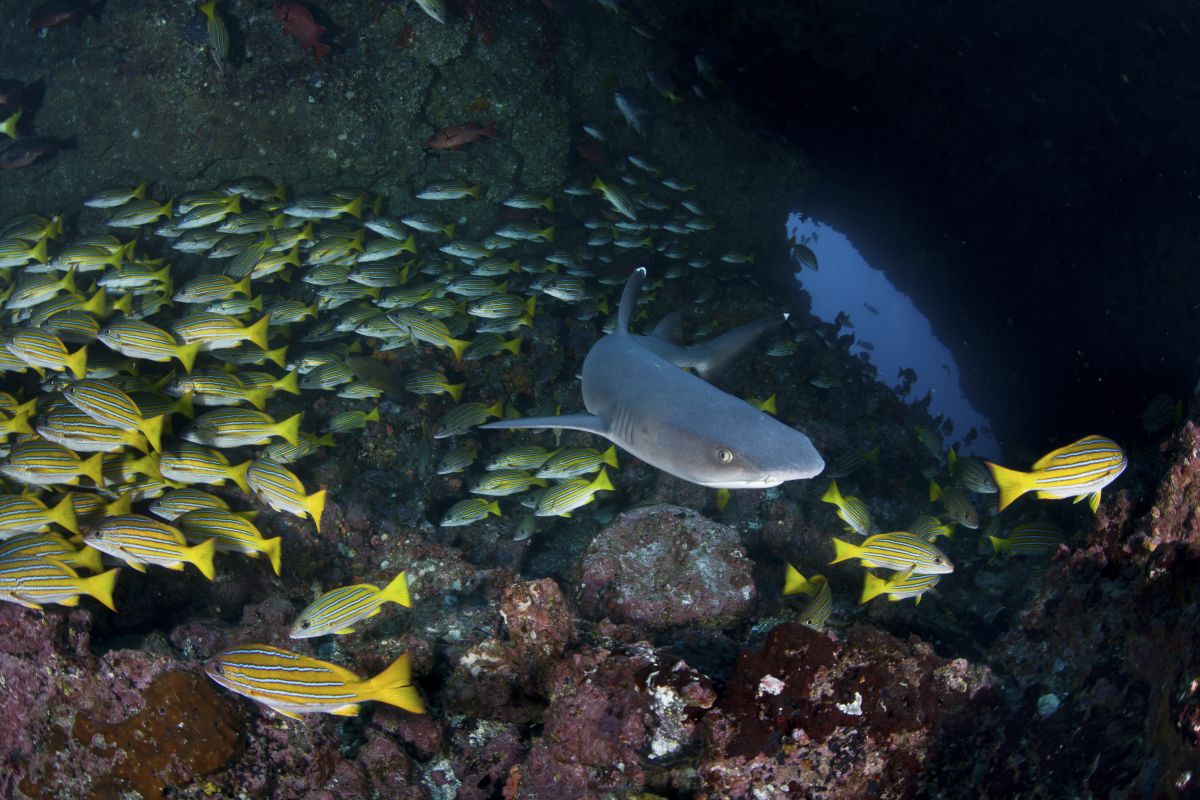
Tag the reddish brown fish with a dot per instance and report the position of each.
(298, 21)
(53, 13)
(24, 152)
(458, 136)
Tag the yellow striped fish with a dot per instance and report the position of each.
(896, 550)
(238, 427)
(43, 350)
(23, 513)
(503, 482)
(465, 416)
(72, 428)
(41, 463)
(561, 500)
(139, 541)
(178, 502)
(850, 510)
(219, 332)
(107, 404)
(898, 587)
(957, 504)
(137, 339)
(337, 611)
(464, 512)
(279, 488)
(186, 462)
(815, 614)
(1081, 469)
(48, 544)
(232, 533)
(294, 684)
(32, 581)
(1029, 539)
(577, 461)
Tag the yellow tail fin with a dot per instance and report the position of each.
(64, 514)
(314, 504)
(289, 429)
(832, 495)
(237, 474)
(873, 586)
(186, 353)
(89, 558)
(397, 591)
(101, 587)
(258, 333)
(1012, 483)
(794, 582)
(456, 390)
(843, 551)
(77, 362)
(271, 547)
(609, 456)
(153, 428)
(394, 687)
(93, 468)
(202, 557)
(458, 346)
(289, 383)
(601, 483)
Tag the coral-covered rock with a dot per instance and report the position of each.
(665, 566)
(496, 678)
(611, 717)
(857, 718)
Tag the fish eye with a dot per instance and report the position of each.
(217, 668)
(937, 560)
(304, 624)
(724, 455)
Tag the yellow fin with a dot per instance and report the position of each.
(394, 687)
(314, 504)
(271, 547)
(202, 557)
(1012, 483)
(101, 587)
(397, 591)
(843, 551)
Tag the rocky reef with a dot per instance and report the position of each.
(641, 648)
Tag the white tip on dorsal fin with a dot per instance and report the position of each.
(786, 316)
(629, 300)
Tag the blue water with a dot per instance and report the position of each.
(900, 335)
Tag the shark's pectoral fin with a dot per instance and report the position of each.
(576, 422)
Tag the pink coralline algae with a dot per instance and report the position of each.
(665, 566)
(612, 716)
(810, 716)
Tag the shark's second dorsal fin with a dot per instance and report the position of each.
(629, 300)
(670, 328)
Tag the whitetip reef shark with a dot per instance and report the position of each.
(640, 397)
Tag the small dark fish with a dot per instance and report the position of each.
(53, 13)
(24, 152)
(871, 308)
(456, 137)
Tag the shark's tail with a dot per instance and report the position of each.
(629, 300)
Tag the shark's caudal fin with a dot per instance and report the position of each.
(575, 422)
(629, 300)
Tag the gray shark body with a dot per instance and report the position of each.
(639, 397)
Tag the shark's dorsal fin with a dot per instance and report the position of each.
(670, 328)
(629, 300)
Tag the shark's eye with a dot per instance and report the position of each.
(724, 455)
